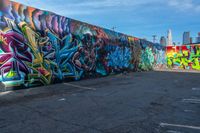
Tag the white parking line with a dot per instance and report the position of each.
(81, 87)
(5, 93)
(62, 99)
(172, 131)
(196, 89)
(191, 100)
(189, 111)
(177, 125)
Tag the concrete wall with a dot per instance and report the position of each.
(183, 57)
(40, 48)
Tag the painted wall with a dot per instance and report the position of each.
(40, 48)
(183, 57)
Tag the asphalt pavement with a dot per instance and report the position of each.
(143, 102)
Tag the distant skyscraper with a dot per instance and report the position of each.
(191, 40)
(169, 38)
(163, 41)
(186, 38)
(198, 38)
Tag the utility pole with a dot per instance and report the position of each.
(154, 38)
(113, 28)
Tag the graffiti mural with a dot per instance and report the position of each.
(40, 48)
(152, 56)
(183, 57)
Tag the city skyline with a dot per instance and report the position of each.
(169, 38)
(163, 41)
(186, 37)
(138, 18)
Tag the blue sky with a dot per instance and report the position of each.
(140, 18)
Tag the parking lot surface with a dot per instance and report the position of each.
(145, 102)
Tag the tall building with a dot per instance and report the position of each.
(198, 38)
(169, 38)
(163, 41)
(186, 38)
(191, 40)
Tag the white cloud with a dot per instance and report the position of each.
(185, 5)
(84, 7)
(54, 6)
(107, 3)
(87, 7)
